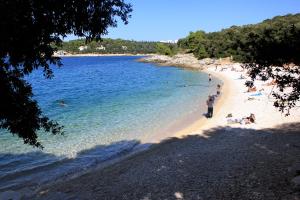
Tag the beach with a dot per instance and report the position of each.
(105, 100)
(208, 159)
(236, 101)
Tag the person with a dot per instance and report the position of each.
(242, 76)
(273, 82)
(251, 89)
(244, 120)
(250, 119)
(62, 103)
(231, 120)
(209, 77)
(210, 106)
(218, 89)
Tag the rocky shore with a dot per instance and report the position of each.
(185, 61)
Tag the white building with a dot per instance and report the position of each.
(169, 41)
(124, 47)
(101, 48)
(82, 48)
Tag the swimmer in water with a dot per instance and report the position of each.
(62, 103)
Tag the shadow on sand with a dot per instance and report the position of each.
(223, 163)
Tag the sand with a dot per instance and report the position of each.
(209, 159)
(234, 100)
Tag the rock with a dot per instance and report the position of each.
(296, 182)
(295, 169)
(10, 195)
(56, 195)
(178, 195)
(182, 60)
(291, 197)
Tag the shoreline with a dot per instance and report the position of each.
(210, 158)
(180, 130)
(189, 62)
(143, 146)
(196, 120)
(230, 89)
(233, 100)
(99, 55)
(204, 122)
(185, 61)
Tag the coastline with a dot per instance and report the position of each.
(189, 62)
(233, 100)
(98, 55)
(233, 93)
(186, 61)
(195, 121)
(203, 122)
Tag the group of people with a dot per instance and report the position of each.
(230, 120)
(211, 99)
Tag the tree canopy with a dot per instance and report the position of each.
(109, 46)
(30, 30)
(166, 49)
(269, 49)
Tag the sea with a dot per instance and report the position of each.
(109, 107)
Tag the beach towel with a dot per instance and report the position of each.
(256, 94)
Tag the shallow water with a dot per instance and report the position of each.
(110, 104)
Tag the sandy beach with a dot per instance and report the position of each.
(236, 101)
(208, 159)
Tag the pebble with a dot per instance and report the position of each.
(178, 195)
(10, 195)
(296, 182)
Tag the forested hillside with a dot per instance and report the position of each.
(109, 46)
(242, 42)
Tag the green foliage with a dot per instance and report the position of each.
(30, 32)
(110, 46)
(273, 52)
(201, 52)
(166, 49)
(267, 50)
(233, 41)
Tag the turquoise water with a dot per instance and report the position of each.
(111, 103)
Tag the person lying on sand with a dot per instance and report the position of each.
(256, 94)
(251, 99)
(244, 120)
(250, 119)
(273, 82)
(251, 89)
(259, 93)
(223, 69)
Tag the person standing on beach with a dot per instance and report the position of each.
(210, 106)
(209, 77)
